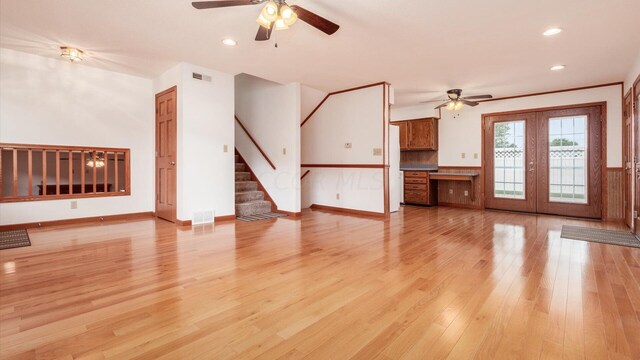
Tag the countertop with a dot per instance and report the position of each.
(419, 167)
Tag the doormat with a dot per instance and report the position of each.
(14, 239)
(621, 238)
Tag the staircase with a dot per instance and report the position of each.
(249, 200)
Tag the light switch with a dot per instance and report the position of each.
(284, 151)
(377, 152)
(463, 155)
(475, 155)
(74, 204)
(347, 145)
(225, 148)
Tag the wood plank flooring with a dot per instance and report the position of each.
(428, 283)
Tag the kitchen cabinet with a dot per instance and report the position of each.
(418, 134)
(419, 189)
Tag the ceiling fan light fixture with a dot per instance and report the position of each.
(270, 11)
(263, 21)
(288, 15)
(281, 24)
(451, 105)
(459, 105)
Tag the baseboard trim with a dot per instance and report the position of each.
(290, 213)
(41, 224)
(347, 211)
(225, 218)
(183, 222)
(461, 206)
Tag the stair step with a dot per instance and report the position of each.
(242, 186)
(253, 208)
(248, 196)
(243, 176)
(239, 167)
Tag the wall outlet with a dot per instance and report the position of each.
(450, 191)
(463, 155)
(348, 145)
(377, 152)
(338, 196)
(225, 148)
(74, 204)
(475, 155)
(284, 151)
(466, 193)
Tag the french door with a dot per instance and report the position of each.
(546, 162)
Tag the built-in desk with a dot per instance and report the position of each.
(456, 176)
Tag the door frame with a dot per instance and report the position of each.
(603, 107)
(628, 147)
(155, 143)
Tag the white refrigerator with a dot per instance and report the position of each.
(395, 184)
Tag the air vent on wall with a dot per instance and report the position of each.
(202, 77)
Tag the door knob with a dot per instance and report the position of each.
(172, 163)
(531, 167)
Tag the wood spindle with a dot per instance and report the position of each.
(95, 173)
(70, 172)
(30, 170)
(115, 171)
(44, 172)
(82, 171)
(15, 172)
(57, 172)
(105, 171)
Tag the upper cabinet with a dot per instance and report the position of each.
(418, 134)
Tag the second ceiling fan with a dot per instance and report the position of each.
(275, 15)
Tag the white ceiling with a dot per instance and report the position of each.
(422, 47)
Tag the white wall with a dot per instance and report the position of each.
(205, 178)
(271, 114)
(632, 75)
(414, 112)
(51, 101)
(354, 117)
(310, 98)
(460, 132)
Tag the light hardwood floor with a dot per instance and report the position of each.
(429, 283)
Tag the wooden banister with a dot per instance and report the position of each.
(305, 174)
(255, 143)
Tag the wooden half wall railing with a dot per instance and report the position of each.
(305, 174)
(253, 140)
(30, 172)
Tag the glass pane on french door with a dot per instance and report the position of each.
(509, 159)
(568, 159)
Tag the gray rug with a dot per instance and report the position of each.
(269, 215)
(621, 238)
(13, 239)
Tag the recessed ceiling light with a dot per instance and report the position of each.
(229, 42)
(558, 67)
(73, 54)
(552, 31)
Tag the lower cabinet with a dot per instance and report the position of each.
(418, 189)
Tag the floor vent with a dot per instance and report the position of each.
(203, 217)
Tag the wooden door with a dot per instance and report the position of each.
(404, 135)
(570, 162)
(166, 150)
(422, 134)
(509, 159)
(627, 159)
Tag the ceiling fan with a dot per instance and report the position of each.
(455, 101)
(276, 14)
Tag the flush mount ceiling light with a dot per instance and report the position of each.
(558, 67)
(229, 42)
(73, 54)
(552, 31)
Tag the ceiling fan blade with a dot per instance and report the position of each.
(223, 3)
(441, 106)
(316, 21)
(470, 103)
(432, 101)
(477, 97)
(264, 34)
